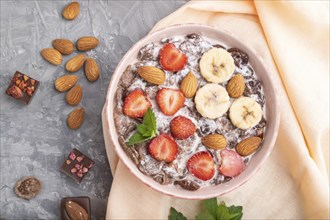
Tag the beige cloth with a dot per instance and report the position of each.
(293, 39)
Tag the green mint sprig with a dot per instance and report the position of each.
(212, 211)
(145, 131)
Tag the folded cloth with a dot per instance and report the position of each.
(293, 39)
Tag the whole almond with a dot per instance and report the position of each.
(52, 56)
(189, 85)
(214, 141)
(65, 82)
(236, 86)
(75, 211)
(64, 46)
(152, 74)
(92, 70)
(76, 118)
(75, 63)
(87, 43)
(71, 11)
(248, 146)
(74, 95)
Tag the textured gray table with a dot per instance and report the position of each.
(34, 138)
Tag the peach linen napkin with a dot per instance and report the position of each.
(293, 39)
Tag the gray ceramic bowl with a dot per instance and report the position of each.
(272, 111)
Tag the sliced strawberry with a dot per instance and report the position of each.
(201, 165)
(136, 104)
(163, 148)
(170, 100)
(231, 163)
(171, 58)
(182, 127)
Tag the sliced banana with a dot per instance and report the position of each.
(245, 113)
(217, 65)
(212, 101)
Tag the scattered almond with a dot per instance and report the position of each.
(64, 46)
(87, 43)
(74, 96)
(71, 11)
(75, 63)
(248, 146)
(214, 141)
(152, 75)
(189, 85)
(52, 56)
(76, 118)
(236, 86)
(92, 70)
(65, 82)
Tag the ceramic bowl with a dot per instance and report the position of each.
(272, 111)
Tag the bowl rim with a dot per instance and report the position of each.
(149, 181)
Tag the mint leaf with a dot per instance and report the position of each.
(210, 205)
(149, 119)
(236, 212)
(204, 216)
(175, 215)
(135, 139)
(143, 129)
(223, 213)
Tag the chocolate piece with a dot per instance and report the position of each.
(22, 87)
(72, 207)
(27, 187)
(77, 165)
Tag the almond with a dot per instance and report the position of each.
(87, 43)
(76, 118)
(236, 86)
(75, 63)
(75, 211)
(71, 11)
(52, 56)
(92, 70)
(152, 75)
(248, 146)
(214, 141)
(73, 97)
(189, 85)
(65, 82)
(64, 46)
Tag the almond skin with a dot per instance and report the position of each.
(92, 70)
(75, 63)
(64, 46)
(65, 82)
(236, 86)
(152, 75)
(87, 43)
(52, 56)
(248, 146)
(76, 118)
(189, 85)
(75, 211)
(74, 95)
(71, 11)
(214, 141)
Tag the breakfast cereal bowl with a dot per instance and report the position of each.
(192, 111)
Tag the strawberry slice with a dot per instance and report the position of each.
(231, 163)
(171, 58)
(201, 165)
(182, 127)
(170, 100)
(163, 148)
(136, 104)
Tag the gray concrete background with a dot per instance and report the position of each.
(34, 138)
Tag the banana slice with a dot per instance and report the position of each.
(212, 101)
(217, 65)
(245, 113)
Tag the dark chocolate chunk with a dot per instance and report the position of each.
(27, 187)
(239, 56)
(77, 165)
(187, 184)
(22, 87)
(76, 208)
